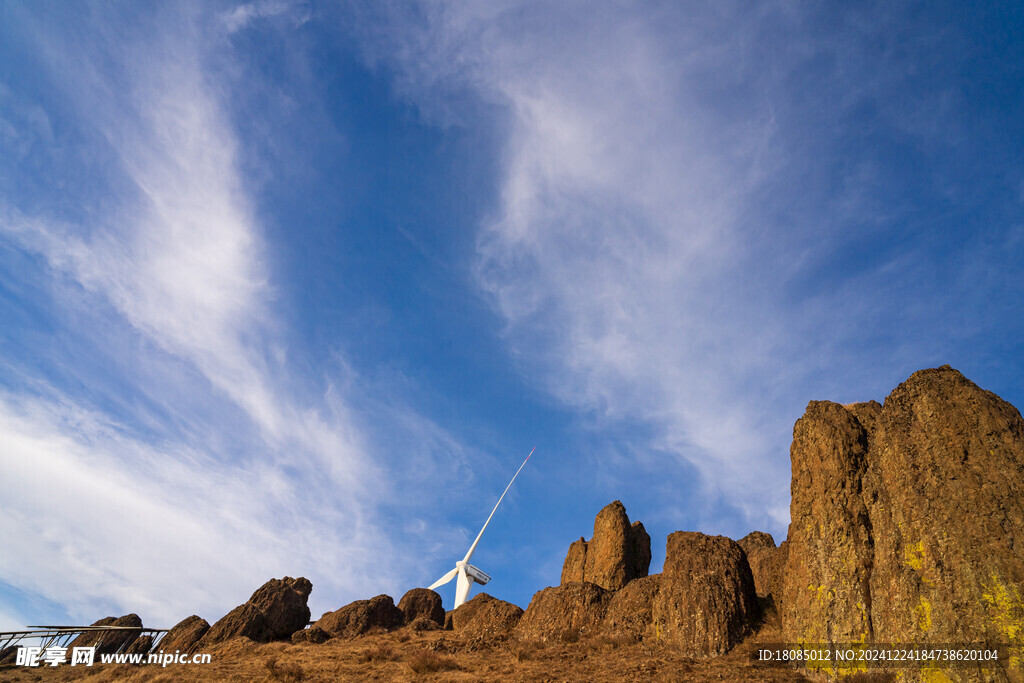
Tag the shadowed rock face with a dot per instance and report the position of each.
(485, 616)
(617, 554)
(274, 612)
(360, 616)
(766, 563)
(573, 608)
(185, 635)
(706, 602)
(107, 642)
(907, 518)
(422, 602)
(630, 609)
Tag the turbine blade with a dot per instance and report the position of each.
(473, 547)
(445, 579)
(462, 587)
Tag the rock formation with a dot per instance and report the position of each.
(629, 612)
(140, 645)
(359, 617)
(185, 635)
(108, 642)
(575, 563)
(907, 518)
(274, 612)
(617, 554)
(422, 602)
(485, 616)
(572, 608)
(706, 602)
(314, 634)
(766, 563)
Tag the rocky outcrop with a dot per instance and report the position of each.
(575, 563)
(108, 642)
(140, 645)
(629, 612)
(362, 616)
(706, 602)
(617, 554)
(907, 518)
(572, 609)
(422, 602)
(185, 635)
(766, 563)
(640, 550)
(274, 612)
(314, 634)
(485, 616)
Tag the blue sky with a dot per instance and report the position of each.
(291, 288)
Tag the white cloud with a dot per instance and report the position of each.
(150, 517)
(620, 254)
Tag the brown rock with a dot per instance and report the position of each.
(640, 549)
(766, 563)
(108, 642)
(448, 620)
(756, 539)
(629, 610)
(282, 602)
(424, 624)
(907, 518)
(185, 635)
(422, 602)
(140, 645)
(274, 612)
(706, 602)
(244, 620)
(575, 562)
(609, 562)
(359, 617)
(485, 616)
(313, 634)
(574, 608)
(617, 554)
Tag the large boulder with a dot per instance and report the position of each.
(362, 616)
(185, 635)
(485, 616)
(571, 609)
(706, 601)
(109, 642)
(617, 554)
(907, 518)
(422, 602)
(630, 609)
(274, 612)
(766, 563)
(140, 646)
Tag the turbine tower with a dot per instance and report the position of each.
(467, 573)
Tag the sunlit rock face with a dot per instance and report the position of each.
(907, 518)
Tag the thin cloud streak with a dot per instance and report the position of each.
(147, 523)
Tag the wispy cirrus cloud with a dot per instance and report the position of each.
(687, 236)
(216, 471)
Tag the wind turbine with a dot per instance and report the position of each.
(468, 573)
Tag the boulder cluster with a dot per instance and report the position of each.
(906, 526)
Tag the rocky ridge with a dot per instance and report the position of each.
(907, 521)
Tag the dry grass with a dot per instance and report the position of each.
(431, 662)
(611, 642)
(381, 653)
(523, 650)
(290, 672)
